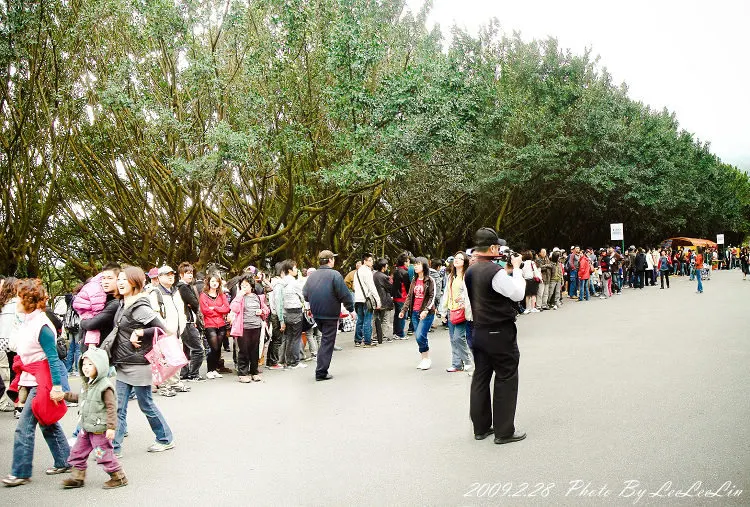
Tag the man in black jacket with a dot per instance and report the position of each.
(383, 284)
(492, 293)
(640, 268)
(191, 336)
(326, 291)
(401, 283)
(104, 322)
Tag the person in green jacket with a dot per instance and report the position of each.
(98, 421)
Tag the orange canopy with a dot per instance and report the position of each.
(678, 242)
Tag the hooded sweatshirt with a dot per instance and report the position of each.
(97, 402)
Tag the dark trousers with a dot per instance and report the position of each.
(292, 338)
(640, 279)
(215, 337)
(495, 351)
(191, 344)
(664, 274)
(275, 345)
(329, 328)
(379, 316)
(247, 358)
(398, 323)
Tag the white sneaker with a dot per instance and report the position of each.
(602, 297)
(425, 364)
(218, 375)
(555, 307)
(527, 311)
(210, 375)
(535, 310)
(468, 367)
(299, 365)
(159, 447)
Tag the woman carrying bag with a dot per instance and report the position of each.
(39, 382)
(136, 325)
(455, 305)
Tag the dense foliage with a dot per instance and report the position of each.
(244, 131)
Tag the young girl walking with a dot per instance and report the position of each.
(98, 421)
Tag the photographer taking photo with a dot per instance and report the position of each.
(492, 292)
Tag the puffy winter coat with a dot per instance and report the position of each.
(89, 302)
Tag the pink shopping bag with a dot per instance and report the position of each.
(166, 357)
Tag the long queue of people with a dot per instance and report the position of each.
(275, 321)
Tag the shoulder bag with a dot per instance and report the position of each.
(370, 302)
(537, 273)
(457, 316)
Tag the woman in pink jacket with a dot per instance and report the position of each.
(249, 313)
(214, 307)
(89, 302)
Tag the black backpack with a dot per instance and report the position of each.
(72, 321)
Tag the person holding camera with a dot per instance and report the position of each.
(492, 292)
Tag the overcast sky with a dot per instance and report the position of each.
(692, 57)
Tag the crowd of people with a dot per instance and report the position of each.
(279, 319)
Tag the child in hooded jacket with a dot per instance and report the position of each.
(89, 302)
(98, 421)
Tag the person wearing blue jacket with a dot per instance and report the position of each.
(326, 291)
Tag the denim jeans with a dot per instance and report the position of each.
(23, 444)
(398, 324)
(74, 353)
(700, 282)
(618, 281)
(421, 328)
(459, 348)
(573, 284)
(363, 328)
(584, 291)
(146, 403)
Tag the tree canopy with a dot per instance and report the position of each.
(246, 131)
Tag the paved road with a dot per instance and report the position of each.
(651, 386)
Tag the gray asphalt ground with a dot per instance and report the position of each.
(651, 387)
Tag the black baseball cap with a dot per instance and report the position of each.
(486, 236)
